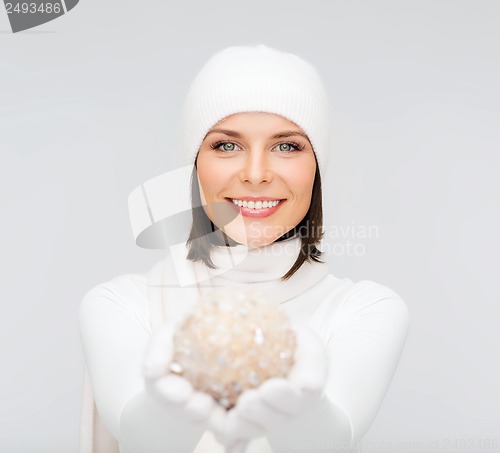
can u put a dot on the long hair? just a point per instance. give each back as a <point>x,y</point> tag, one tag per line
<point>204,234</point>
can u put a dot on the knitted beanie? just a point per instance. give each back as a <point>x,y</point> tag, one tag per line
<point>256,78</point>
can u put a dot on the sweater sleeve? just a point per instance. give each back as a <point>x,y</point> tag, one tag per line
<point>366,336</point>
<point>115,333</point>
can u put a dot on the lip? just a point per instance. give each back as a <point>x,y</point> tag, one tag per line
<point>255,199</point>
<point>256,214</point>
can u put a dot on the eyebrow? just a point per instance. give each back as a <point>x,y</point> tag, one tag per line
<point>238,135</point>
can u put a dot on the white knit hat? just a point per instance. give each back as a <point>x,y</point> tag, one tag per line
<point>257,78</point>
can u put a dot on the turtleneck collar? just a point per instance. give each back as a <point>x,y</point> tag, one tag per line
<point>261,269</point>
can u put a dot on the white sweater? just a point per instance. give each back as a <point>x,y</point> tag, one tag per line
<point>364,326</point>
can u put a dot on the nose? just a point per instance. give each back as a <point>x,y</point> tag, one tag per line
<point>256,168</point>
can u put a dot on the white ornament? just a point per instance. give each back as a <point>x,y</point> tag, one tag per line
<point>232,341</point>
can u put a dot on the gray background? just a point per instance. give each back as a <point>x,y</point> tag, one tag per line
<point>89,109</point>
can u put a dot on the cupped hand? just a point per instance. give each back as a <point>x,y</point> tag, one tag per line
<point>277,401</point>
<point>173,390</point>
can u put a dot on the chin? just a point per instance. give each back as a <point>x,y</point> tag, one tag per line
<point>259,242</point>
<point>252,242</point>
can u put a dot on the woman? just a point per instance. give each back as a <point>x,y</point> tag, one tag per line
<point>256,132</point>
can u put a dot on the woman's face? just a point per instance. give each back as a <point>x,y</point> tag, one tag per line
<point>256,158</point>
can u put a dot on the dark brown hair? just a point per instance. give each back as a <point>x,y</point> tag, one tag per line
<point>204,234</point>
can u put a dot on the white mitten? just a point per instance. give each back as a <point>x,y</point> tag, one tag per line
<point>232,431</point>
<point>278,400</point>
<point>173,390</point>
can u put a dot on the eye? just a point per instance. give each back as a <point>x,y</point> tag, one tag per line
<point>289,147</point>
<point>228,146</point>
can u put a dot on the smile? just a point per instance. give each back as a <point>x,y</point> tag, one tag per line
<point>255,205</point>
<point>256,209</point>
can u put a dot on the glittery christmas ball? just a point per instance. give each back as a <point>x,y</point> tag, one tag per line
<point>233,340</point>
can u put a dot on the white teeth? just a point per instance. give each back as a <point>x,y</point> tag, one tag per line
<point>255,205</point>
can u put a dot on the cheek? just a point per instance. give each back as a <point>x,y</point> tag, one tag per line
<point>210,175</point>
<point>301,180</point>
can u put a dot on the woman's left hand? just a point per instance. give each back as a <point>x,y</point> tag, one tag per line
<point>278,400</point>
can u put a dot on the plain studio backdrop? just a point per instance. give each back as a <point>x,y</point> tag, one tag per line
<point>90,109</point>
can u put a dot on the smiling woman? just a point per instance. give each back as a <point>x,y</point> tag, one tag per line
<point>256,129</point>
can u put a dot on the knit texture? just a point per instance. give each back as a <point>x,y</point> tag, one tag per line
<point>257,79</point>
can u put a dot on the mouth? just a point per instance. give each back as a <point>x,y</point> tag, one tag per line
<point>256,208</point>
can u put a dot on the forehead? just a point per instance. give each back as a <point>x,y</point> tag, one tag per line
<point>257,123</point>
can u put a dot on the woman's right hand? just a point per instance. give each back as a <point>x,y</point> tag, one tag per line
<point>173,390</point>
